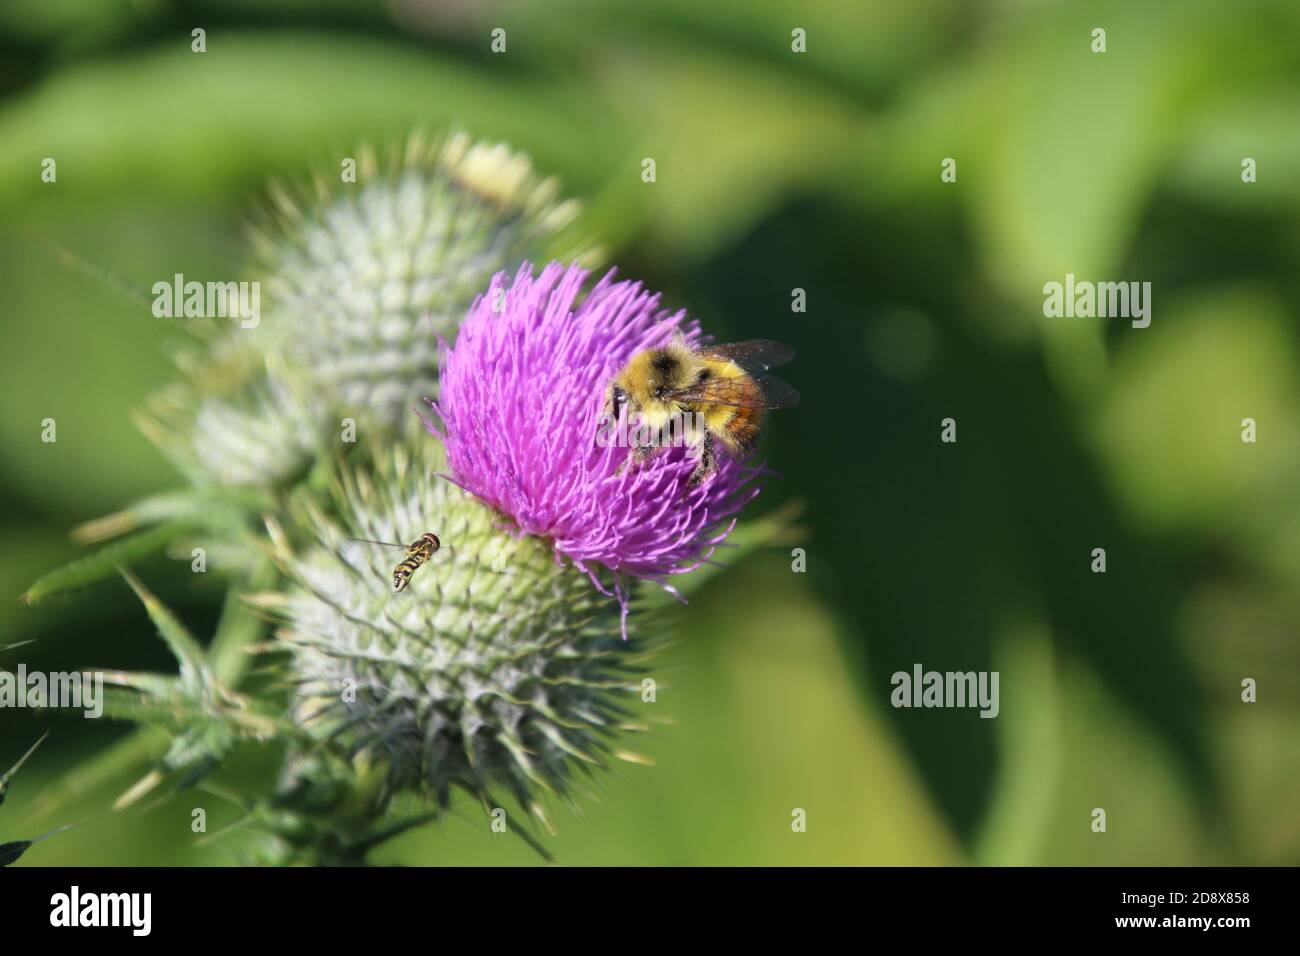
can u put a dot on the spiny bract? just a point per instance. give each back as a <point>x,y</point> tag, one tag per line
<point>498,666</point>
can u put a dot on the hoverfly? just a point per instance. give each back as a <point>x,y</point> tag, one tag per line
<point>417,553</point>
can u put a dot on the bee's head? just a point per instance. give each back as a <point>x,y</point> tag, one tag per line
<point>645,383</point>
<point>660,371</point>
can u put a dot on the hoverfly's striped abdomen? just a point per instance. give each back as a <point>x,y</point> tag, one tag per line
<point>417,552</point>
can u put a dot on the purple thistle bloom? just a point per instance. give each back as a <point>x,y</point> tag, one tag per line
<point>521,401</point>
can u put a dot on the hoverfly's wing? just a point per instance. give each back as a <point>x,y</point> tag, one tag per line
<point>755,355</point>
<point>758,391</point>
<point>386,544</point>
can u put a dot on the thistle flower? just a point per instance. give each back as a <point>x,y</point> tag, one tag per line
<point>495,667</point>
<point>521,400</point>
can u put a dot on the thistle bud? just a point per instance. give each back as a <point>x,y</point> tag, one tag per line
<point>496,668</point>
<point>359,281</point>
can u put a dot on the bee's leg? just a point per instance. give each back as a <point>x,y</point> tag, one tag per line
<point>708,462</point>
<point>638,455</point>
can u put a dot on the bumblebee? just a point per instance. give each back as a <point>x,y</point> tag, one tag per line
<point>720,393</point>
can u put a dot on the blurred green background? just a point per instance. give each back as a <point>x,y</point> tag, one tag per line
<point>776,171</point>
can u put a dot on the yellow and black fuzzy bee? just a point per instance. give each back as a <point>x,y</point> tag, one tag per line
<point>725,388</point>
<point>417,553</point>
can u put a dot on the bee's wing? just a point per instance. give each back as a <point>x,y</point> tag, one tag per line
<point>754,355</point>
<point>758,391</point>
<point>776,393</point>
<point>386,544</point>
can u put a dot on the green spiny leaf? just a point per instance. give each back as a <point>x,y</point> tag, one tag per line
<point>239,626</point>
<point>202,506</point>
<point>10,852</point>
<point>188,651</point>
<point>104,563</point>
<point>8,775</point>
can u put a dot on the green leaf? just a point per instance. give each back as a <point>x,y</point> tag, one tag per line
<point>203,506</point>
<point>4,780</point>
<point>169,714</point>
<point>239,626</point>
<point>105,562</point>
<point>10,852</point>
<point>188,651</point>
